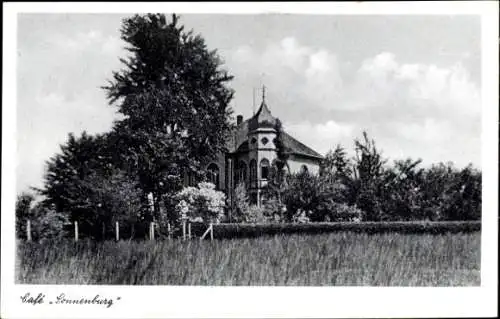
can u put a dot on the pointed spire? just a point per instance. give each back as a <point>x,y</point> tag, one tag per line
<point>263,117</point>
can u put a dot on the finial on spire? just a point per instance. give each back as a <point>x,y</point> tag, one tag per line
<point>263,93</point>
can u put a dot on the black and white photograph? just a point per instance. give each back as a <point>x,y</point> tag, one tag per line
<point>175,149</point>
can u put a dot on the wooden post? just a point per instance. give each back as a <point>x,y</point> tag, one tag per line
<point>152,231</point>
<point>184,229</point>
<point>76,231</point>
<point>28,230</point>
<point>168,230</point>
<point>117,231</point>
<point>189,230</point>
<point>211,231</point>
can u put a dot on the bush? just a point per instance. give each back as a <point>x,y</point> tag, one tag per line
<point>256,214</point>
<point>48,224</point>
<point>339,212</point>
<point>202,203</point>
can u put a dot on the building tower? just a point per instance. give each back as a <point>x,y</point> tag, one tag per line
<point>261,149</point>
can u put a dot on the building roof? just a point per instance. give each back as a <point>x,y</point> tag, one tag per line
<point>263,118</point>
<point>238,142</point>
<point>298,148</point>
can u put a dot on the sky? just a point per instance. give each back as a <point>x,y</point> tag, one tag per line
<point>413,83</point>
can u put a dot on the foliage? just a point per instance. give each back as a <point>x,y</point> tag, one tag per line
<point>342,212</point>
<point>368,188</point>
<point>202,202</point>
<point>368,169</point>
<point>454,194</point>
<point>110,199</point>
<point>256,214</point>
<point>174,98</point>
<point>45,223</point>
<point>235,230</point>
<point>173,95</point>
<point>84,183</point>
<point>48,224</point>
<point>300,216</point>
<point>24,202</point>
<point>336,166</point>
<point>247,213</point>
<point>313,194</point>
<point>241,203</point>
<point>79,157</point>
<point>277,181</point>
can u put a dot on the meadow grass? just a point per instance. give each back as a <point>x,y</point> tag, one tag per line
<point>336,259</point>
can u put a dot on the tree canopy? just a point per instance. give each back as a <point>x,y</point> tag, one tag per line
<point>174,96</point>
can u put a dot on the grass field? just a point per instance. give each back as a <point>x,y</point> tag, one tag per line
<point>338,259</point>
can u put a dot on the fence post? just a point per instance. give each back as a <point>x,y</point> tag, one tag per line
<point>189,230</point>
<point>151,231</point>
<point>117,231</point>
<point>76,230</point>
<point>28,230</point>
<point>211,231</point>
<point>168,230</point>
<point>184,229</point>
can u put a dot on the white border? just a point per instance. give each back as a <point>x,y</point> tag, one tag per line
<point>182,302</point>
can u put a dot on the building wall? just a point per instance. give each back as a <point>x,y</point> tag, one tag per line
<point>295,163</point>
<point>221,163</point>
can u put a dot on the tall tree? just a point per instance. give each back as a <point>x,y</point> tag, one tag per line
<point>277,179</point>
<point>336,165</point>
<point>367,178</point>
<point>79,157</point>
<point>174,96</point>
<point>86,184</point>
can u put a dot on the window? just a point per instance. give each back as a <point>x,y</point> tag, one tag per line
<point>264,169</point>
<point>213,174</point>
<point>304,169</point>
<point>253,171</point>
<point>241,173</point>
<point>264,140</point>
<point>253,140</point>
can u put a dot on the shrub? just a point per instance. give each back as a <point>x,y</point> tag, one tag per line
<point>300,217</point>
<point>201,203</point>
<point>241,203</point>
<point>256,214</point>
<point>24,202</point>
<point>256,230</point>
<point>48,223</point>
<point>340,212</point>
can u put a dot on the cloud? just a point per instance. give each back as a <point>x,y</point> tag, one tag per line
<point>411,109</point>
<point>92,40</point>
<point>296,75</point>
<point>59,74</point>
<point>45,125</point>
<point>428,87</point>
<point>321,136</point>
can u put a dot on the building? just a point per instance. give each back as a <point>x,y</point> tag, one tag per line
<point>251,153</point>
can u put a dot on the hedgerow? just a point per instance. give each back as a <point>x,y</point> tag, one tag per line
<point>256,230</point>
